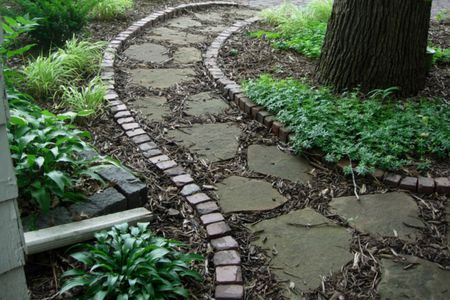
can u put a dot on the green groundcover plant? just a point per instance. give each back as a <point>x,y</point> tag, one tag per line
<point>131,263</point>
<point>299,29</point>
<point>375,132</point>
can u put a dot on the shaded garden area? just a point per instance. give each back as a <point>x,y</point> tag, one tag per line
<point>255,153</point>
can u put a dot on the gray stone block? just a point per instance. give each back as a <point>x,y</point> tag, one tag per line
<point>57,216</point>
<point>107,202</point>
<point>129,185</point>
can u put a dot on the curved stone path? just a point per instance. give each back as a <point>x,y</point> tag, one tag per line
<point>165,84</point>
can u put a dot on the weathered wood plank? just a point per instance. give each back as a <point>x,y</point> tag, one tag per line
<point>68,234</point>
<point>13,285</point>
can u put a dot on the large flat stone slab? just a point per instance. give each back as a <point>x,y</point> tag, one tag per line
<point>214,142</point>
<point>205,103</point>
<point>160,78</point>
<point>213,17</point>
<point>148,52</point>
<point>213,29</point>
<point>187,55</point>
<point>270,160</point>
<point>382,215</point>
<point>425,280</point>
<point>152,108</point>
<point>177,37</point>
<point>304,245</point>
<point>183,22</point>
<point>237,194</point>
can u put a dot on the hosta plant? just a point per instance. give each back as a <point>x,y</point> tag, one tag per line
<point>131,263</point>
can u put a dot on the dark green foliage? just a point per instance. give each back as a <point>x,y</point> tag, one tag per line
<point>58,19</point>
<point>441,55</point>
<point>44,149</point>
<point>373,132</point>
<point>132,263</point>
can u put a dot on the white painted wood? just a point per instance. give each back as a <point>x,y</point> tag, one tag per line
<point>68,234</point>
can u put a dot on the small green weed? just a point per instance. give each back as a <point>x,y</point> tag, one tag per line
<point>107,10</point>
<point>441,55</point>
<point>132,263</point>
<point>88,100</point>
<point>376,132</point>
<point>443,15</point>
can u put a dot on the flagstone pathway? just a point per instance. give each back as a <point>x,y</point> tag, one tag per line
<point>303,245</point>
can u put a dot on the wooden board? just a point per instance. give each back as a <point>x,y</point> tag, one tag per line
<point>72,233</point>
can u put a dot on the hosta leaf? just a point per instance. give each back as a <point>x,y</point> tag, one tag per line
<point>18,121</point>
<point>83,257</point>
<point>59,178</point>
<point>74,282</point>
<point>100,295</point>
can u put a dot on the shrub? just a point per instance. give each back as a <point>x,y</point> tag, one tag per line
<point>131,263</point>
<point>88,100</point>
<point>44,149</point>
<point>111,9</point>
<point>58,19</point>
<point>375,132</point>
<point>299,29</point>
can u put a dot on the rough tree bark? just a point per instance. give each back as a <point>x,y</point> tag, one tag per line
<point>376,44</point>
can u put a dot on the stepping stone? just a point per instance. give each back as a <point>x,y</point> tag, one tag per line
<point>183,22</point>
<point>237,194</point>
<point>148,52</point>
<point>270,160</point>
<point>205,103</point>
<point>213,17</point>
<point>187,55</point>
<point>380,214</point>
<point>152,108</point>
<point>425,280</point>
<point>176,37</point>
<point>213,29</point>
<point>160,78</point>
<point>215,142</point>
<point>303,245</point>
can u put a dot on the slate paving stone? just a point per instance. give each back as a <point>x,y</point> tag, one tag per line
<point>206,103</point>
<point>183,22</point>
<point>187,55</point>
<point>381,215</point>
<point>423,280</point>
<point>214,29</point>
<point>212,17</point>
<point>270,160</point>
<point>176,37</point>
<point>214,142</point>
<point>238,194</point>
<point>148,52</point>
<point>303,245</point>
<point>151,108</point>
<point>160,78</point>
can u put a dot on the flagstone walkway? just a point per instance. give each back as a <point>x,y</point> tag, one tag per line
<point>303,245</point>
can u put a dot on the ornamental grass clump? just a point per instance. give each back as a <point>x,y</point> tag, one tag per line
<point>377,132</point>
<point>106,10</point>
<point>132,263</point>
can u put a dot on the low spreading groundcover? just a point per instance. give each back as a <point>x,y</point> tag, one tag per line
<point>377,132</point>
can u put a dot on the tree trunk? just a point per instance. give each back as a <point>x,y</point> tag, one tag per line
<point>376,44</point>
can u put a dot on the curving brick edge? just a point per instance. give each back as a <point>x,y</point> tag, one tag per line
<point>227,259</point>
<point>232,91</point>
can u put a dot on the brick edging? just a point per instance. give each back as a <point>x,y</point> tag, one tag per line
<point>227,259</point>
<point>232,91</point>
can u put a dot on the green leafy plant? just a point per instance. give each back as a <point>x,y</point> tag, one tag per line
<point>44,148</point>
<point>45,77</point>
<point>111,9</point>
<point>58,19</point>
<point>131,263</point>
<point>374,132</point>
<point>443,15</point>
<point>88,100</point>
<point>299,29</point>
<point>441,55</point>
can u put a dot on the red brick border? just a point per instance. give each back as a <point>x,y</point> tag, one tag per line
<point>228,274</point>
<point>232,91</point>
